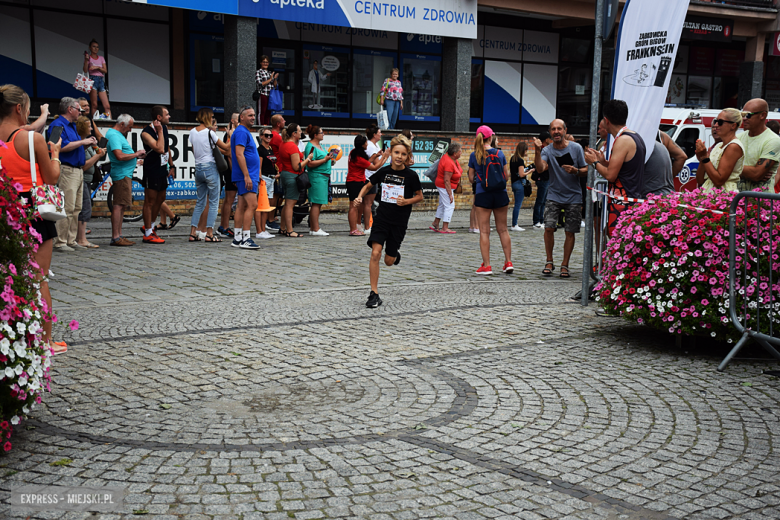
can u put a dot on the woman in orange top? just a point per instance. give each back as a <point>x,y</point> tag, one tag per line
<point>14,111</point>
<point>447,180</point>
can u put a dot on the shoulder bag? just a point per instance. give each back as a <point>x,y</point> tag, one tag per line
<point>219,159</point>
<point>275,99</point>
<point>47,201</point>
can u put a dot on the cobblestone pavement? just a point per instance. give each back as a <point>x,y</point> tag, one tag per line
<point>219,383</point>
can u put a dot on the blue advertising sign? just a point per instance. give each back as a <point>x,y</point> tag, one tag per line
<point>456,18</point>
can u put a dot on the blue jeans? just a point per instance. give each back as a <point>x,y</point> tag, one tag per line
<point>518,188</point>
<point>541,198</point>
<point>206,184</point>
<point>393,110</point>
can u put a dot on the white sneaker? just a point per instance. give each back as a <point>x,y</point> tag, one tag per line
<point>264,235</point>
<point>517,228</point>
<point>319,233</point>
<point>367,231</point>
<point>474,230</point>
<point>538,225</point>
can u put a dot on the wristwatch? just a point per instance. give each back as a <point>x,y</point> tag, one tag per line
<point>705,160</point>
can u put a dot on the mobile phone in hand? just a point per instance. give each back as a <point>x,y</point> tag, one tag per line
<point>103,142</point>
<point>55,134</point>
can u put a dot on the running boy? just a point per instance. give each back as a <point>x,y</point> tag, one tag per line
<point>400,189</point>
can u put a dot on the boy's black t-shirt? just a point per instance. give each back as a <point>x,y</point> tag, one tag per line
<point>408,178</point>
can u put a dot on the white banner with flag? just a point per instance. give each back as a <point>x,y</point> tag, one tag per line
<point>646,46</point>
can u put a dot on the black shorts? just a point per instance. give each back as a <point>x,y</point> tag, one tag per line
<point>389,235</point>
<point>227,180</point>
<point>353,189</point>
<point>157,181</point>
<point>491,199</point>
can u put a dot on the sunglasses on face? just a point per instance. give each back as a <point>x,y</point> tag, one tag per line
<point>748,115</point>
<point>268,135</point>
<point>720,122</point>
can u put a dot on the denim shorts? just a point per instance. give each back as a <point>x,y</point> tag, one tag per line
<point>269,186</point>
<point>99,83</point>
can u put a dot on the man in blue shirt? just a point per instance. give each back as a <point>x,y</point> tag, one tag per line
<point>71,175</point>
<point>245,161</point>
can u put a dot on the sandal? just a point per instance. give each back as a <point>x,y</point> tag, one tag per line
<point>548,271</point>
<point>565,274</point>
<point>162,226</point>
<point>194,238</point>
<point>290,234</point>
<point>175,220</point>
<point>212,238</point>
<point>356,233</point>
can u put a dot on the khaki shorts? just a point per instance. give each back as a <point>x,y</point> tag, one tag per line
<point>123,192</point>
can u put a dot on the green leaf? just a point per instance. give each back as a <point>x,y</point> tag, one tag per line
<point>165,406</point>
<point>421,426</point>
<point>140,511</point>
<point>747,384</point>
<point>514,425</point>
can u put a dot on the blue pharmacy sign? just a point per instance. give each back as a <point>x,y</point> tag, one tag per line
<point>456,18</point>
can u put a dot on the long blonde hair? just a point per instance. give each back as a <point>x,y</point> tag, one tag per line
<point>205,117</point>
<point>10,96</point>
<point>479,149</point>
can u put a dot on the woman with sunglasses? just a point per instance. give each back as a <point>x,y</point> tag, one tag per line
<point>269,173</point>
<point>722,167</point>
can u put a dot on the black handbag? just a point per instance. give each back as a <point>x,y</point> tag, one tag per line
<point>302,181</point>
<point>219,159</point>
<point>527,189</point>
<point>255,95</point>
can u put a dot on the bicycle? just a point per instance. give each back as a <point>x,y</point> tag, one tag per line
<point>132,214</point>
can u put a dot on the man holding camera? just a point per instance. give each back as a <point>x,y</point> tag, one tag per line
<point>71,175</point>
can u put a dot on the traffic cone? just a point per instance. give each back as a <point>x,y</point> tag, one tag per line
<point>262,199</point>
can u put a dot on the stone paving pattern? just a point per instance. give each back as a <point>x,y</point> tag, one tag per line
<point>460,397</point>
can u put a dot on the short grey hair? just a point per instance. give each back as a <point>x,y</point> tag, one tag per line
<point>82,99</point>
<point>453,149</point>
<point>124,119</point>
<point>66,103</point>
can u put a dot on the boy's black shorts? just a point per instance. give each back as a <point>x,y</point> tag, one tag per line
<point>389,235</point>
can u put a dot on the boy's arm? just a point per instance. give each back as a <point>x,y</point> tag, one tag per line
<point>418,197</point>
<point>359,199</point>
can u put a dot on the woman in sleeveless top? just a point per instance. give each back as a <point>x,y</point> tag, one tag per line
<point>14,111</point>
<point>722,167</point>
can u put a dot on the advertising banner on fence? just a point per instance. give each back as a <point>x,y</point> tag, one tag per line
<point>646,46</point>
<point>456,18</point>
<point>183,186</point>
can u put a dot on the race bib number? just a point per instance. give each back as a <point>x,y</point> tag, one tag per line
<point>391,192</point>
<point>164,158</point>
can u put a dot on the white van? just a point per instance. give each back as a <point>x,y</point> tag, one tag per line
<point>685,126</point>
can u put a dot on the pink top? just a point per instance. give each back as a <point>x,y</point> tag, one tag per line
<point>99,62</point>
<point>393,90</point>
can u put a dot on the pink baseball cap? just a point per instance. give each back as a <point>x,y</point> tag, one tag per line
<point>486,131</point>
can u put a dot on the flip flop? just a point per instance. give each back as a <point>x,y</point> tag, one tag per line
<point>90,245</point>
<point>448,232</point>
<point>435,229</point>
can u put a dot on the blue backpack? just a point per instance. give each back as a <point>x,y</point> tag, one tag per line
<point>493,177</point>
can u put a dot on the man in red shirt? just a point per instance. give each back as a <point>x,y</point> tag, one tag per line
<point>277,125</point>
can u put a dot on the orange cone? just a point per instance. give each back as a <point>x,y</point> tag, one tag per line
<point>262,199</point>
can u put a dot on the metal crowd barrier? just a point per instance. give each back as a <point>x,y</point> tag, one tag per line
<point>601,185</point>
<point>752,317</point>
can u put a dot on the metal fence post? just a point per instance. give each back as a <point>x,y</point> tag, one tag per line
<point>587,253</point>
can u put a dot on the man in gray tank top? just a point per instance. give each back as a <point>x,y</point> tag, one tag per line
<point>659,179</point>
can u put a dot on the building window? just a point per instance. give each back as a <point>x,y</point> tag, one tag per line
<point>369,71</point>
<point>283,62</point>
<point>326,86</point>
<point>477,71</point>
<point>208,77</point>
<point>421,78</point>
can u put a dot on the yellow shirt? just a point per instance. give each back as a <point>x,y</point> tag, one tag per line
<point>715,155</point>
<point>766,145</point>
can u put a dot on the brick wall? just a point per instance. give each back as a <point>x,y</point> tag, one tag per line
<point>507,143</point>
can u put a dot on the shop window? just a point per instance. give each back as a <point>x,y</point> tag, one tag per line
<point>574,50</point>
<point>139,70</point>
<point>369,71</point>
<point>421,78</point>
<point>477,84</point>
<point>574,91</point>
<point>326,85</point>
<point>207,73</point>
<point>283,62</point>
<point>699,90</point>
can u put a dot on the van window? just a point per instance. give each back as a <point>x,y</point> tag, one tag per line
<point>687,141</point>
<point>668,129</point>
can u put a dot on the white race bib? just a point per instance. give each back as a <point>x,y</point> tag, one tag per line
<point>164,158</point>
<point>391,192</point>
